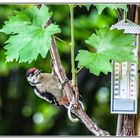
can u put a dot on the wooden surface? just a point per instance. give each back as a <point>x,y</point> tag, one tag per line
<point>137,120</point>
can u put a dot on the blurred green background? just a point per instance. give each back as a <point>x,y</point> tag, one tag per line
<point>22,112</point>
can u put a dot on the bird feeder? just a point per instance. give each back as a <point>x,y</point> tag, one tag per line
<point>124,78</point>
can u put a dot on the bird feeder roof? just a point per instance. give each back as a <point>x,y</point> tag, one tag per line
<point>128,27</point>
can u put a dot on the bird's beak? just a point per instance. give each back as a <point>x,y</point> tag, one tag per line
<point>39,71</point>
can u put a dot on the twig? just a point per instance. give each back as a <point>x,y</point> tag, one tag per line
<point>73,71</point>
<point>79,70</point>
<point>78,111</point>
<point>61,40</point>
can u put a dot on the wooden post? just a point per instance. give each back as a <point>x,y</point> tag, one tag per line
<point>137,120</point>
<point>126,122</point>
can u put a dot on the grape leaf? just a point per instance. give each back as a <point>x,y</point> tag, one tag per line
<point>94,62</point>
<point>109,45</point>
<point>101,7</point>
<point>28,36</point>
<point>16,23</point>
<point>85,5</point>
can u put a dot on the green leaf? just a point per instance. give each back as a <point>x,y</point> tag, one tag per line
<point>16,24</point>
<point>28,37</point>
<point>40,16</point>
<point>109,45</point>
<point>101,7</point>
<point>93,61</point>
<point>85,5</point>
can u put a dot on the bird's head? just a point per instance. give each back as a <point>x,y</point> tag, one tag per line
<point>32,75</point>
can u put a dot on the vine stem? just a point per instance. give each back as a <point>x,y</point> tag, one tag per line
<point>73,71</point>
<point>79,112</point>
<point>61,40</point>
<point>125,16</point>
<point>79,70</point>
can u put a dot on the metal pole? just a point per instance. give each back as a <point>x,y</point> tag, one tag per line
<point>119,125</point>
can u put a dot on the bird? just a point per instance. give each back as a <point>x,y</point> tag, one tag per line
<point>47,86</point>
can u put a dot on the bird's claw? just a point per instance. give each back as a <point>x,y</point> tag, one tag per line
<point>64,82</point>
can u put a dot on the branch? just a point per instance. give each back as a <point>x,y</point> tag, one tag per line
<point>76,109</point>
